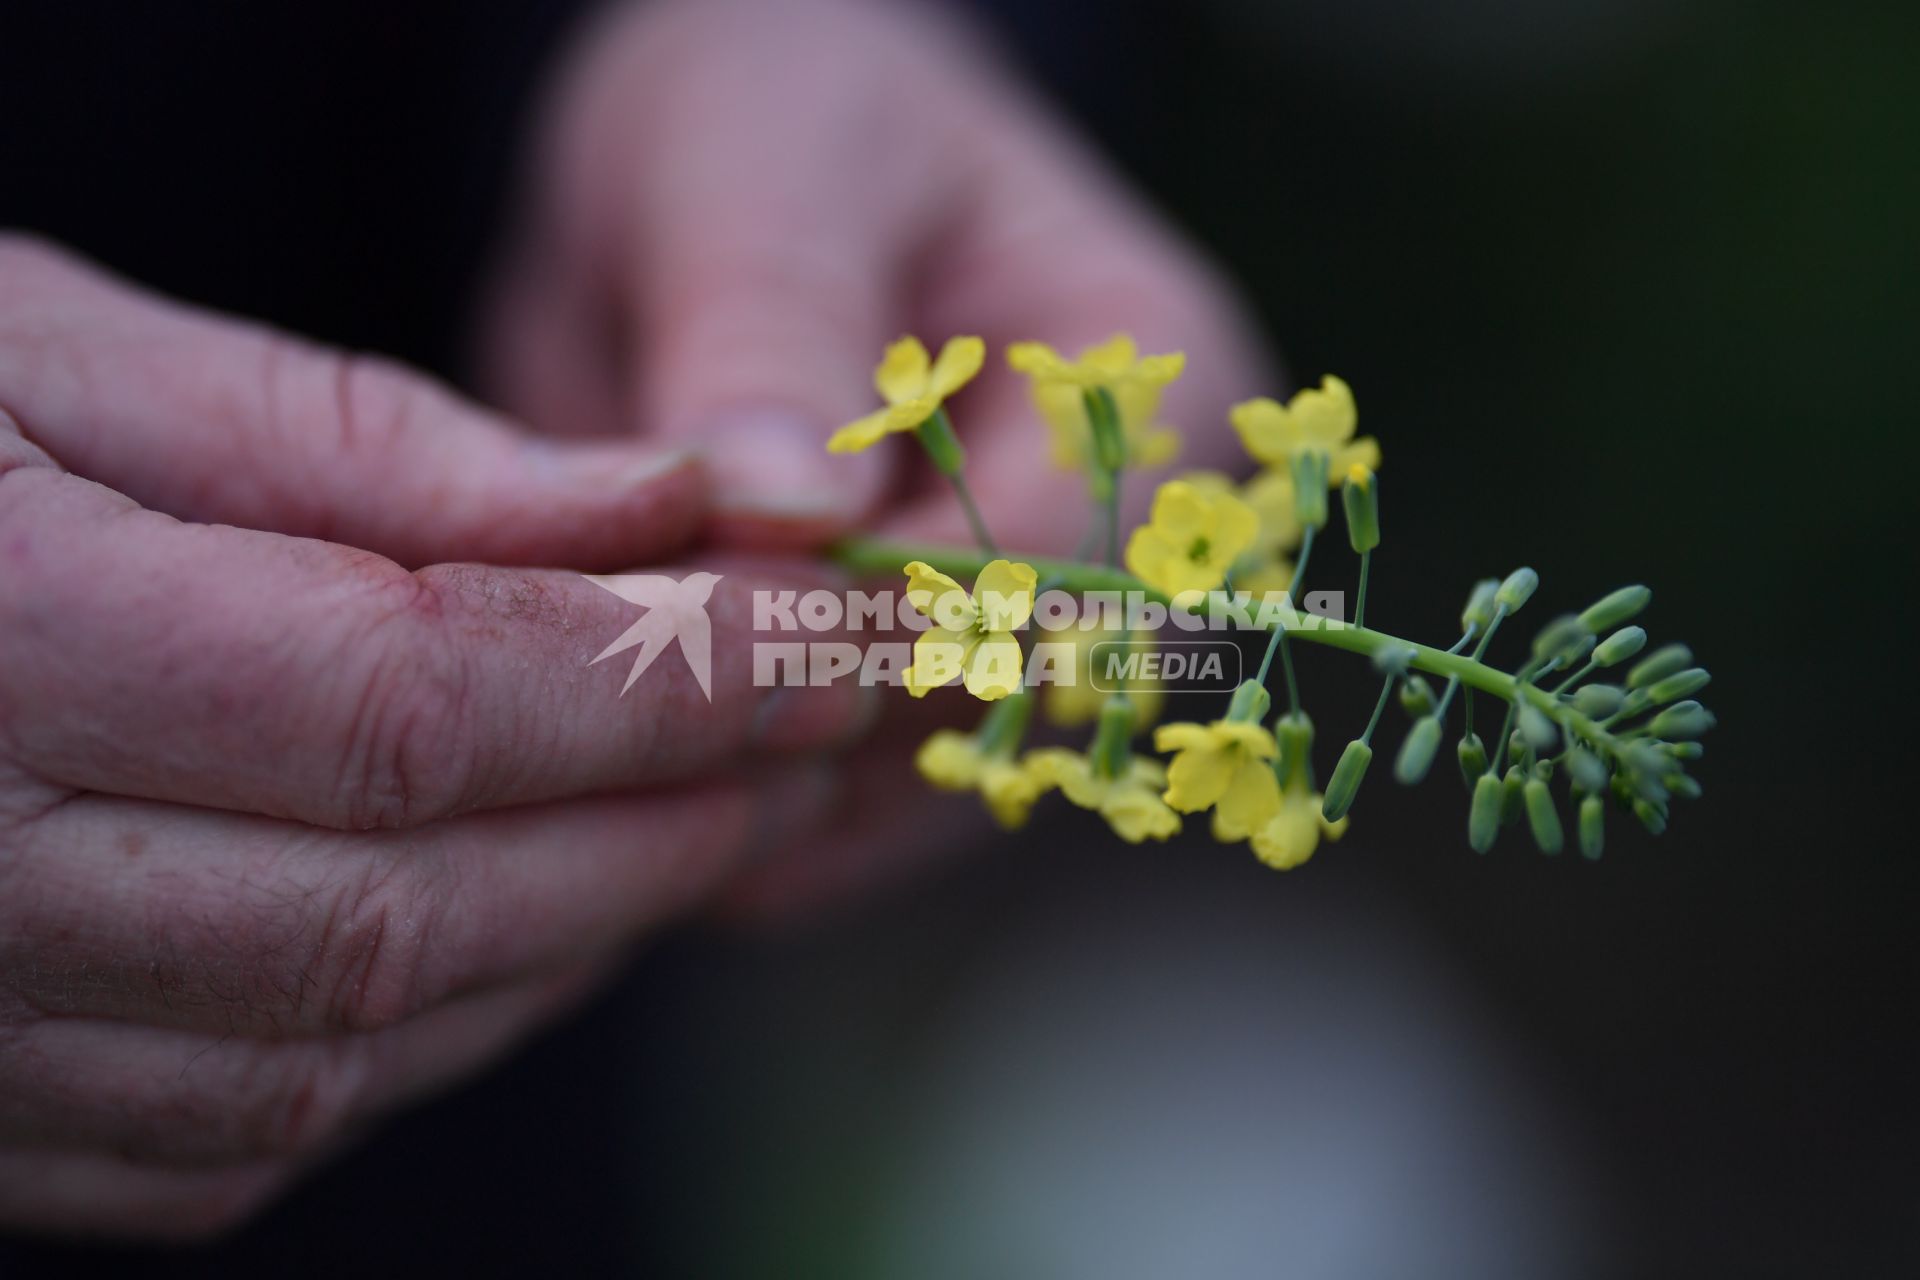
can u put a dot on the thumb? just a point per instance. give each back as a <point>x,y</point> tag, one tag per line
<point>217,421</point>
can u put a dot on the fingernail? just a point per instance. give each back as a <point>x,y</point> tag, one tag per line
<point>771,464</point>
<point>804,716</point>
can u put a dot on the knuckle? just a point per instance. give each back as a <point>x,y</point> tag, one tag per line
<point>26,251</point>
<point>372,944</point>
<point>402,759</point>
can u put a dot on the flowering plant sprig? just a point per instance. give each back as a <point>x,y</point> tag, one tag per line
<point>1212,541</point>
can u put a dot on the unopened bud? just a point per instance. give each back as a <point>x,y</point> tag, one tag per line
<point>1615,608</point>
<point>1250,702</point>
<point>1680,684</point>
<point>1543,817</point>
<point>1416,696</point>
<point>1394,659</point>
<point>1593,827</point>
<point>1473,757</point>
<point>1361,497</point>
<point>1346,780</point>
<point>1478,615</point>
<point>1513,796</point>
<point>1598,701</point>
<point>1416,753</point>
<point>1565,638</point>
<point>1483,819</point>
<point>1586,770</point>
<point>1659,664</point>
<point>1652,815</point>
<point>1517,589</point>
<point>1682,720</point>
<point>1620,646</point>
<point>1537,729</point>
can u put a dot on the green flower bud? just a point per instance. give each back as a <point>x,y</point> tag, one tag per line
<point>1565,638</point>
<point>1683,785</point>
<point>1309,472</point>
<point>1678,685</point>
<point>1517,589</point>
<point>1659,664</point>
<point>1478,615</point>
<point>1346,780</point>
<point>1513,796</point>
<point>1416,696</point>
<point>1361,497</point>
<point>1416,753</point>
<point>1294,733</point>
<point>1598,701</point>
<point>1615,608</point>
<point>1543,817</point>
<point>1586,770</point>
<point>1593,827</point>
<point>1620,646</point>
<point>1483,819</point>
<point>1652,815</point>
<point>1394,660</point>
<point>1646,766</point>
<point>1250,702</point>
<point>1537,729</point>
<point>1685,750</point>
<point>1473,758</point>
<point>1682,720</point>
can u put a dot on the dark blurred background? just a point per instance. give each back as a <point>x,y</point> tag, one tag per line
<point>1627,289</point>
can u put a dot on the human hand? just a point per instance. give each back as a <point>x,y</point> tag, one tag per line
<point>738,202</point>
<point>293,829</point>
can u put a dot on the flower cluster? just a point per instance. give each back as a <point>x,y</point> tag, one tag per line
<point>1208,533</point>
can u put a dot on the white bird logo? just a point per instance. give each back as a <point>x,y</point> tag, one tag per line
<point>675,610</point>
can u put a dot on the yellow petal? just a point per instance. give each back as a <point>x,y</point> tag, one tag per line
<point>1235,525</point>
<point>1035,358</point>
<point>1244,735</point>
<point>1325,415</point>
<point>1154,560</point>
<point>992,666</point>
<point>902,374</point>
<point>1198,777</point>
<point>960,359</point>
<point>1364,452</point>
<point>1156,448</point>
<point>1003,594</point>
<point>1289,839</point>
<point>1113,357</point>
<point>939,597</point>
<point>1264,430</point>
<point>863,433</point>
<point>1009,790</point>
<point>1180,511</point>
<point>1181,735</point>
<point>1251,799</point>
<point>1135,813</point>
<point>939,655</point>
<point>1158,371</point>
<point>950,760</point>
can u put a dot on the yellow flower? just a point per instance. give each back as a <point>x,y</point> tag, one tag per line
<point>1290,836</point>
<point>1192,539</point>
<point>1070,705</point>
<point>1266,566</point>
<point>1131,803</point>
<point>971,636</point>
<point>1319,418</point>
<point>913,388</point>
<point>1226,766</point>
<point>954,761</point>
<point>1134,381</point>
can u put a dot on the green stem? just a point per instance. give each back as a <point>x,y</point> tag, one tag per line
<point>974,518</point>
<point>1360,607</point>
<point>1374,721</point>
<point>1293,595</point>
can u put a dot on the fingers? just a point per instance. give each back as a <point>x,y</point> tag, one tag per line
<point>231,925</point>
<point>96,1194</point>
<point>185,1100</point>
<point>297,679</point>
<point>760,262</point>
<point>217,421</point>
